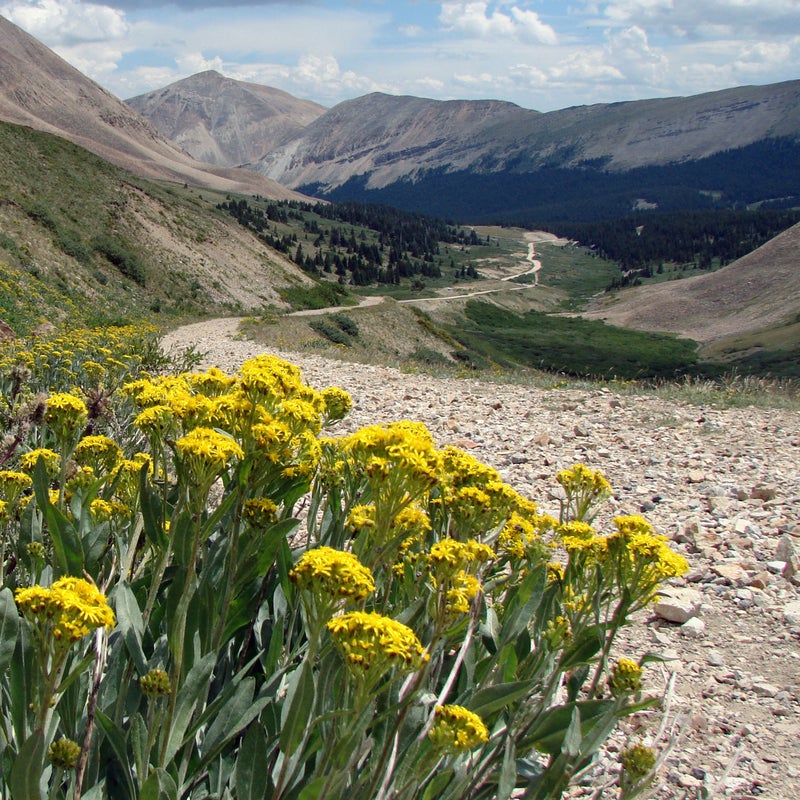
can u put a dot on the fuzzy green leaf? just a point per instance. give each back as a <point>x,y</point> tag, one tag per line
<point>251,777</point>
<point>297,710</point>
<point>131,624</point>
<point>27,770</point>
<point>9,627</point>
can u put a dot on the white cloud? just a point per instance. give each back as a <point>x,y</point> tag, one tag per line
<point>532,28</point>
<point>712,18</point>
<point>67,22</point>
<point>475,19</point>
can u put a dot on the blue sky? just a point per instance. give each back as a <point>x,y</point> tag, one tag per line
<point>540,54</point>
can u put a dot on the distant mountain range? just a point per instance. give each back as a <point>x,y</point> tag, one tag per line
<point>491,160</point>
<point>41,90</point>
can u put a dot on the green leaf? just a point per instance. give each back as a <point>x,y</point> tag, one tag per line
<point>438,784</point>
<point>182,533</point>
<point>138,740</point>
<point>26,773</point>
<point>131,624</point>
<point>66,542</point>
<point>159,786</point>
<point>116,739</point>
<point>296,711</point>
<point>94,543</point>
<point>250,775</point>
<point>582,649</point>
<point>151,506</point>
<point>493,698</point>
<point>192,693</point>
<point>313,790</point>
<point>523,604</point>
<point>234,716</point>
<point>572,738</point>
<point>508,772</point>
<point>9,627</point>
<point>549,734</point>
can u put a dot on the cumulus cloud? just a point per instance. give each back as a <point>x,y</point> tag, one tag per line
<point>476,19</point>
<point>67,22</point>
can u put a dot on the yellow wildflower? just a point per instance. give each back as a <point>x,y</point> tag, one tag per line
<point>52,460</point>
<point>155,683</point>
<point>371,643</point>
<point>337,574</point>
<point>98,452</point>
<point>625,677</point>
<point>456,729</point>
<point>208,449</point>
<point>261,512</point>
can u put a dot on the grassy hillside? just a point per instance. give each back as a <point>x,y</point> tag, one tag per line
<point>84,241</point>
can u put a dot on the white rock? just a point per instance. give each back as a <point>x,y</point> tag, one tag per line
<point>678,604</point>
<point>693,628</point>
<point>791,613</point>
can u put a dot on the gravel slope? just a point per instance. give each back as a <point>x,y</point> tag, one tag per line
<point>723,484</point>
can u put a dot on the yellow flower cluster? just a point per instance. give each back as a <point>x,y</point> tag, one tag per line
<point>12,485</point>
<point>637,762</point>
<point>80,356</point>
<point>448,556</point>
<point>64,754</point>
<point>155,683</point>
<point>580,479</point>
<point>372,643</point>
<point>52,460</point>
<point>267,409</point>
<point>260,512</point>
<point>336,574</point>
<point>521,536</point>
<point>456,729</point>
<point>625,677</point>
<point>208,450</point>
<point>584,488</point>
<point>473,497</point>
<point>464,588</point>
<point>67,610</point>
<point>100,453</point>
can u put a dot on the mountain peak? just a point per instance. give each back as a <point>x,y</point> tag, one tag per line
<point>41,90</point>
<point>225,121</point>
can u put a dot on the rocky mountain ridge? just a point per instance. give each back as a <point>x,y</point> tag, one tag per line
<point>386,137</point>
<point>41,90</point>
<point>223,121</point>
<point>490,160</point>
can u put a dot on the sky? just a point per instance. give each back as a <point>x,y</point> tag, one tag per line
<point>540,54</point>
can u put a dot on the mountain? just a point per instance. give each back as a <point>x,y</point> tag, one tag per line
<point>752,302</point>
<point>388,137</point>
<point>490,160</point>
<point>224,121</point>
<point>39,89</point>
<point>82,241</point>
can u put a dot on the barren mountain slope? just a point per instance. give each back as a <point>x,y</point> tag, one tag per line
<point>389,138</point>
<point>757,292</point>
<point>41,90</point>
<point>223,121</point>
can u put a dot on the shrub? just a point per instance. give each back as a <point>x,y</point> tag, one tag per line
<point>119,254</point>
<point>346,323</point>
<point>429,634</point>
<point>331,332</point>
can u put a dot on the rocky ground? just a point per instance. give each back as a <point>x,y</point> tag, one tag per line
<point>723,484</point>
